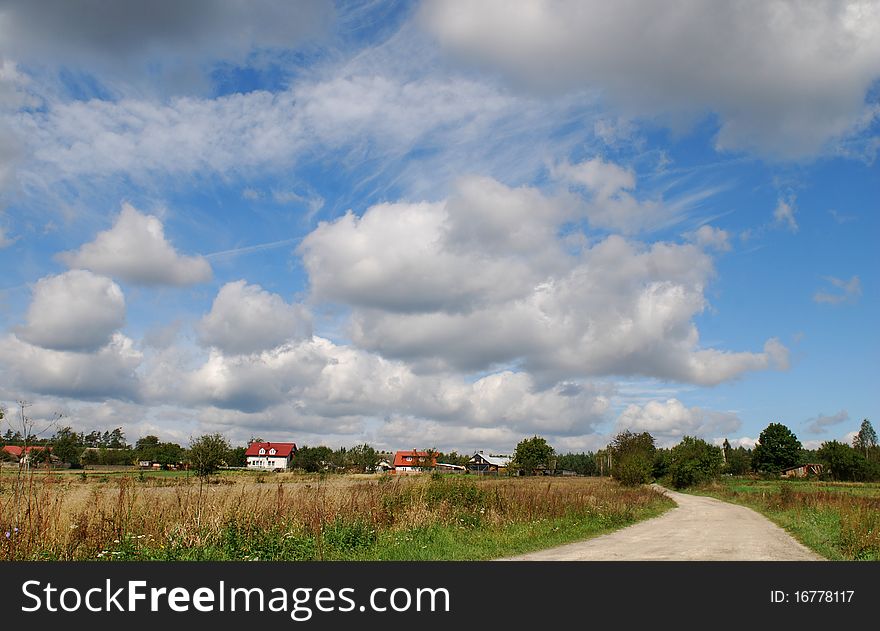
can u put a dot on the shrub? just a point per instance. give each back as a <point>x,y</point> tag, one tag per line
<point>694,461</point>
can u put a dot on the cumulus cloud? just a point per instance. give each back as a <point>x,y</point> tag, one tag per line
<point>77,310</point>
<point>703,58</point>
<point>819,424</point>
<point>135,250</point>
<point>108,372</point>
<point>247,319</point>
<point>669,420</point>
<point>487,243</point>
<point>318,382</point>
<point>843,291</point>
<point>617,307</point>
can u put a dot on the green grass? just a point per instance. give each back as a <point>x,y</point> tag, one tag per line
<point>839,521</point>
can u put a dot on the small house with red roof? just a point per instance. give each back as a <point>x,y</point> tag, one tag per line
<point>270,456</point>
<point>17,452</point>
<point>413,461</point>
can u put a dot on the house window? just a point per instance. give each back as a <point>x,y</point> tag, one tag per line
<point>408,458</point>
<point>272,452</point>
<point>262,451</point>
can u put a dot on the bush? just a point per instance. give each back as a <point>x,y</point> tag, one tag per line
<point>694,461</point>
<point>632,457</point>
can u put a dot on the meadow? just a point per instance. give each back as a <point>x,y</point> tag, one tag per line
<point>838,520</point>
<point>287,516</point>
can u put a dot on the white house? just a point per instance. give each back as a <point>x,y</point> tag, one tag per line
<point>270,456</point>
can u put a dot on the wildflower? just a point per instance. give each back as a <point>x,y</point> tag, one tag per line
<point>8,534</point>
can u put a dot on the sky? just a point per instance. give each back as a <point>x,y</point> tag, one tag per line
<point>440,224</point>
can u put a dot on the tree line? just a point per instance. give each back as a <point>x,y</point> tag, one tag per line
<point>633,458</point>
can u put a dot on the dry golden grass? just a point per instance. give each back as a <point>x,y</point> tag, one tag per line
<point>64,517</point>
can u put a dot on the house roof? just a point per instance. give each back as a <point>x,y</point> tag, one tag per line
<point>282,450</point>
<point>497,461</point>
<point>16,450</point>
<point>416,459</point>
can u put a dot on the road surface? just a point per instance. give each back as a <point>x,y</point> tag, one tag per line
<point>698,529</point>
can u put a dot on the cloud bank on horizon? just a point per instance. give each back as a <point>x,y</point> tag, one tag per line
<point>440,224</point>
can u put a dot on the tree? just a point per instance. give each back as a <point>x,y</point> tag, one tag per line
<point>739,461</point>
<point>843,462</point>
<point>777,449</point>
<point>632,457</point>
<point>362,458</point>
<point>312,459</point>
<point>68,446</point>
<point>207,453</point>
<point>866,439</point>
<point>694,461</point>
<point>580,463</point>
<point>532,454</point>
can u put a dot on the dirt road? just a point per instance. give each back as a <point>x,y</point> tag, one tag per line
<point>699,529</point>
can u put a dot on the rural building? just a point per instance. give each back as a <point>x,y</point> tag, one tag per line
<point>23,454</point>
<point>270,456</point>
<point>413,461</point>
<point>482,463</point>
<point>384,465</point>
<point>802,470</point>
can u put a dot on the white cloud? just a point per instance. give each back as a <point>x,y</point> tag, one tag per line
<point>108,372</point>
<point>135,250</point>
<point>707,236</point>
<point>316,384</point>
<point>77,310</point>
<point>783,215</point>
<point>819,424</point>
<point>844,291</point>
<point>669,420</point>
<point>482,280</point>
<point>247,319</point>
<point>755,64</point>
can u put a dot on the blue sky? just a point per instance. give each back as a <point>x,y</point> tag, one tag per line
<point>441,224</point>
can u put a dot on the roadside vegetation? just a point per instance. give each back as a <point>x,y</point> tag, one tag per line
<point>838,520</point>
<point>243,516</point>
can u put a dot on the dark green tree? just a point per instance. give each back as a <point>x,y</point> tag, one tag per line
<point>739,461</point>
<point>68,446</point>
<point>236,457</point>
<point>777,449</point>
<point>146,447</point>
<point>531,455</point>
<point>313,459</point>
<point>580,463</point>
<point>632,457</point>
<point>843,462</point>
<point>694,461</point>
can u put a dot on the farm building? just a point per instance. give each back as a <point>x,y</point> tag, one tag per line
<point>413,461</point>
<point>23,454</point>
<point>802,470</point>
<point>270,456</point>
<point>482,463</point>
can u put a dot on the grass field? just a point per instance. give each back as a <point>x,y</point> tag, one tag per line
<point>839,520</point>
<point>247,516</point>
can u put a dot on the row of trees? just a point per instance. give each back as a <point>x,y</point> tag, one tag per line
<point>634,458</point>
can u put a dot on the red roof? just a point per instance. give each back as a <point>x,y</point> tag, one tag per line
<point>15,450</point>
<point>416,459</point>
<point>283,450</point>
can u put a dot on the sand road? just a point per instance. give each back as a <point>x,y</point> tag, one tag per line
<point>698,529</point>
